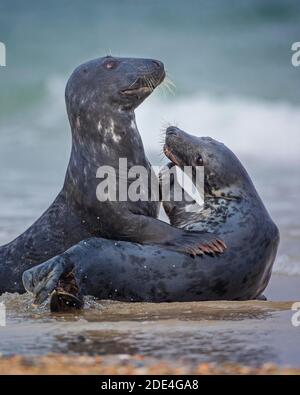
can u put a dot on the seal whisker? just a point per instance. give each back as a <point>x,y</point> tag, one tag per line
<point>151,84</point>
<point>162,88</point>
<point>168,79</point>
<point>165,84</point>
<point>134,82</point>
<point>169,88</point>
<point>154,83</point>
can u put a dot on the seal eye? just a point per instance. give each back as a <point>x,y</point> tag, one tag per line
<point>110,64</point>
<point>199,160</point>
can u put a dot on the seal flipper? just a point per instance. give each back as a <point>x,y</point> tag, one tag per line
<point>54,278</point>
<point>66,297</point>
<point>148,230</point>
<point>261,297</point>
<point>65,302</point>
<point>42,280</point>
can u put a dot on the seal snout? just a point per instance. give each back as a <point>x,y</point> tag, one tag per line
<point>155,66</point>
<point>172,131</point>
<point>158,64</point>
<point>172,141</point>
<point>155,70</point>
<point>148,75</point>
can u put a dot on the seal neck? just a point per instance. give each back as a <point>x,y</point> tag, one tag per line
<point>101,140</point>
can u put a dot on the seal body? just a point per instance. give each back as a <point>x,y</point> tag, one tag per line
<point>131,272</point>
<point>101,96</point>
<point>103,128</point>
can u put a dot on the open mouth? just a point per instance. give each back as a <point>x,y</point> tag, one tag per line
<point>171,155</point>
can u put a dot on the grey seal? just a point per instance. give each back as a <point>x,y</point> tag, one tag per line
<point>101,96</point>
<point>128,271</point>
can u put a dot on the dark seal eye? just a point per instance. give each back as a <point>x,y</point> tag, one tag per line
<point>110,64</point>
<point>199,160</point>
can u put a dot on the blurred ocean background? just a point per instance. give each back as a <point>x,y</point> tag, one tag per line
<point>230,61</point>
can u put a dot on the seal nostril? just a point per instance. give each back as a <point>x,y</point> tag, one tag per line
<point>156,63</point>
<point>171,131</point>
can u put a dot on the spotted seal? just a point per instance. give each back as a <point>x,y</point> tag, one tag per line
<point>127,271</point>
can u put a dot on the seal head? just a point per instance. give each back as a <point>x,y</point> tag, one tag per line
<point>119,83</point>
<point>225,176</point>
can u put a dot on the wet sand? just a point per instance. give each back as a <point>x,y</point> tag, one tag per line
<point>249,337</point>
<point>126,365</point>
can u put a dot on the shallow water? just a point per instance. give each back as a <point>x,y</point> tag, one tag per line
<point>244,332</point>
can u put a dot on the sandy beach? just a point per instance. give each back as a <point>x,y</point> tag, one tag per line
<point>251,337</point>
<point>126,365</point>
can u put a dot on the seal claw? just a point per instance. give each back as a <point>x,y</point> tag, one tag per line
<point>61,301</point>
<point>217,247</point>
<point>66,297</point>
<point>223,245</point>
<point>210,248</point>
<point>197,243</point>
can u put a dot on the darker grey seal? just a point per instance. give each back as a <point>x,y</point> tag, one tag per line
<point>101,96</point>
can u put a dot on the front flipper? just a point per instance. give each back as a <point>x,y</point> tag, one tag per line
<point>147,230</point>
<point>196,243</point>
